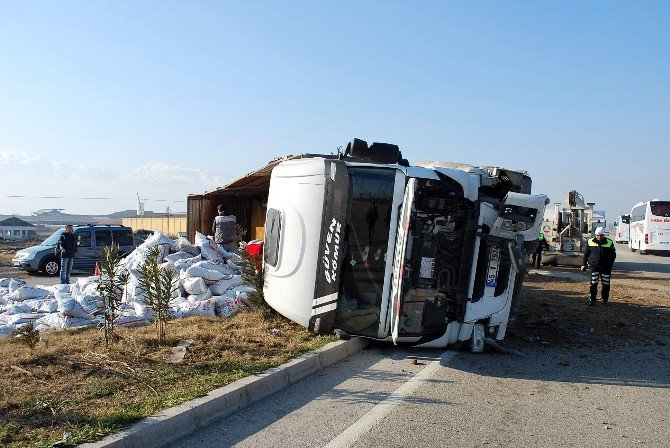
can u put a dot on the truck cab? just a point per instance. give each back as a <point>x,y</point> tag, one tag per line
<point>428,255</point>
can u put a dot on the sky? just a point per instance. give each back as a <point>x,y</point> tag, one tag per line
<point>102,101</point>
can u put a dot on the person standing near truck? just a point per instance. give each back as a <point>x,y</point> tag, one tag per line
<point>67,248</point>
<point>599,256</point>
<point>223,229</point>
<point>536,257</point>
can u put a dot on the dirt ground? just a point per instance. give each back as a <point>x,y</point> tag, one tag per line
<point>554,312</point>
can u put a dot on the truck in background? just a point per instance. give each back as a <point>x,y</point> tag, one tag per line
<point>428,255</point>
<point>568,230</point>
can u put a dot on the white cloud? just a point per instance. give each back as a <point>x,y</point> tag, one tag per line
<point>78,167</point>
<point>18,157</point>
<point>165,173</point>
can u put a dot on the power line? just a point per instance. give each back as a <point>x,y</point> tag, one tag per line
<point>17,196</point>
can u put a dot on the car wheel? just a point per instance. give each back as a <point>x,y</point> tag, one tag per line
<point>51,267</point>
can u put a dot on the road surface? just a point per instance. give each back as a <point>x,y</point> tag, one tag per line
<point>533,396</point>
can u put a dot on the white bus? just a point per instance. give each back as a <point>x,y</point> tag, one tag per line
<point>622,229</point>
<point>650,227</point>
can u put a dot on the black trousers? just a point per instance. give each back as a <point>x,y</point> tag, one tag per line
<point>604,277</point>
<point>536,259</point>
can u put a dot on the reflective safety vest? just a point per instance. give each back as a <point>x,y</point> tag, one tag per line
<point>594,243</point>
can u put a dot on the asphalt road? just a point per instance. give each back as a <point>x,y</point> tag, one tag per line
<point>547,396</point>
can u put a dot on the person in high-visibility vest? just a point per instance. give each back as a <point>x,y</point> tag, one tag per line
<point>536,257</point>
<point>599,256</point>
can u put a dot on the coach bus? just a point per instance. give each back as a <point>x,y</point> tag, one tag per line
<point>650,227</point>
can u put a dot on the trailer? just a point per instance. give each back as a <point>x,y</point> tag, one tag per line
<point>431,254</point>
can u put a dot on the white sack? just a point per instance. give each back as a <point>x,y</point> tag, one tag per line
<point>184,264</point>
<point>227,306</point>
<point>200,297</point>
<point>18,309</point>
<point>201,308</point>
<point>130,321</point>
<point>194,285</point>
<point>24,318</point>
<point>220,287</point>
<point>14,284</point>
<point>31,292</point>
<point>181,255</point>
<point>208,248</point>
<point>211,275</point>
<point>143,311</point>
<point>91,303</point>
<point>5,331</point>
<point>183,245</point>
<point>70,307</point>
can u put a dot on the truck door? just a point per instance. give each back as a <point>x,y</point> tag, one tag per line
<point>399,258</point>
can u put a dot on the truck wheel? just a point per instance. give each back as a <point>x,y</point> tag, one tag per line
<point>51,266</point>
<point>632,249</point>
<point>358,149</point>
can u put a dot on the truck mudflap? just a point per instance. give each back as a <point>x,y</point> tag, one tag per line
<point>331,248</point>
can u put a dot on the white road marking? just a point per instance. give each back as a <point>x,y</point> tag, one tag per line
<point>381,410</point>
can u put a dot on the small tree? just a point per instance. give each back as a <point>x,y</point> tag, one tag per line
<point>159,284</point>
<point>252,271</point>
<point>113,278</point>
<point>26,334</point>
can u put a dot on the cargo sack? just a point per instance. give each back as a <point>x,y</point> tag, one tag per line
<point>29,292</point>
<point>227,306</point>
<point>200,297</point>
<point>208,248</point>
<point>91,303</point>
<point>194,285</point>
<point>181,255</point>
<point>183,264</point>
<point>5,331</point>
<point>184,245</point>
<point>24,318</point>
<point>218,288</point>
<point>130,321</point>
<point>210,275</point>
<point>201,308</point>
<point>70,307</point>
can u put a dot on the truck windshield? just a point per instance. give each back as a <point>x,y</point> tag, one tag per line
<point>364,266</point>
<point>53,239</point>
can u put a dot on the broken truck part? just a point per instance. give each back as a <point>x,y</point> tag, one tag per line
<point>428,255</point>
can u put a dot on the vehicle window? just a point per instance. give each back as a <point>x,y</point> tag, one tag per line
<point>364,263</point>
<point>84,239</point>
<point>103,238</point>
<point>53,239</point>
<point>625,219</point>
<point>123,237</point>
<point>272,234</point>
<point>660,208</point>
<point>637,214</point>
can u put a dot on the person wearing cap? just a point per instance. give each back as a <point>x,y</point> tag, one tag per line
<point>224,227</point>
<point>67,248</point>
<point>599,256</point>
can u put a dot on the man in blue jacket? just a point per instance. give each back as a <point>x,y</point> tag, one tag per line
<point>599,256</point>
<point>67,248</point>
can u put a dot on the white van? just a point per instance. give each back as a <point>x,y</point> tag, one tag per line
<point>429,255</point>
<point>650,227</point>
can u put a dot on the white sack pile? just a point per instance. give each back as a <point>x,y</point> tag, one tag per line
<point>209,284</point>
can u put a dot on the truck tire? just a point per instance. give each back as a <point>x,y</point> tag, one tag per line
<point>358,149</point>
<point>51,266</point>
<point>384,153</point>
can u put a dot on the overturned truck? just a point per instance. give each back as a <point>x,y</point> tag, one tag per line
<point>430,255</point>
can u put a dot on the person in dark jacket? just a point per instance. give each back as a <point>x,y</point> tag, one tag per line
<point>67,248</point>
<point>599,256</point>
<point>223,228</point>
<point>536,258</point>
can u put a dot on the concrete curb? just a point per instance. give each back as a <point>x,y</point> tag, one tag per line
<point>179,421</point>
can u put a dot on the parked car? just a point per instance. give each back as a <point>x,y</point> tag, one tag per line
<point>90,239</point>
